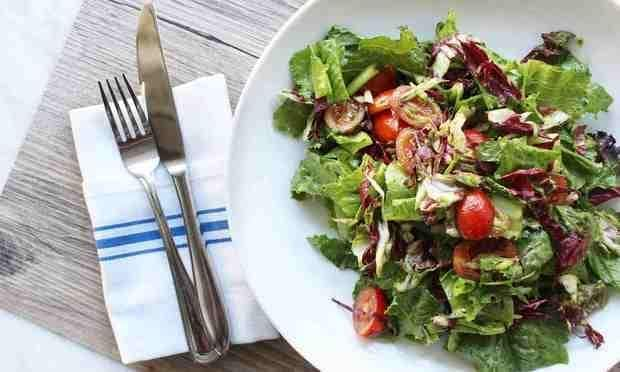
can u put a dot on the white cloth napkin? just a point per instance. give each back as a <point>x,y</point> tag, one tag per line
<point>137,284</point>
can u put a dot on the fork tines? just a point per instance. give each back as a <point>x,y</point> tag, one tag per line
<point>126,129</point>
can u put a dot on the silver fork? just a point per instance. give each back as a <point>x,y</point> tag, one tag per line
<point>138,150</point>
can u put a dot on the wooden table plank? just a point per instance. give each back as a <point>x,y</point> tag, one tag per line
<point>49,271</point>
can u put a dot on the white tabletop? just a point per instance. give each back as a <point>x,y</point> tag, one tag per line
<point>33,31</point>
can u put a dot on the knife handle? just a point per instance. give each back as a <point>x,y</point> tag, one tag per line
<point>204,280</point>
<point>197,334</point>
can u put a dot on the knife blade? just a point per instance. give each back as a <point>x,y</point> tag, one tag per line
<point>153,76</point>
<point>214,342</point>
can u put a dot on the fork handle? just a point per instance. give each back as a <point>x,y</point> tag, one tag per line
<point>204,280</point>
<point>197,334</point>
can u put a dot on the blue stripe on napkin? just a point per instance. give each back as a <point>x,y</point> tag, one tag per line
<point>133,244</point>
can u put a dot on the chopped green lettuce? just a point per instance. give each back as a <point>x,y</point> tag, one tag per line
<point>447,27</point>
<point>508,221</point>
<point>399,204</point>
<point>353,143</point>
<point>406,54</point>
<point>604,253</point>
<point>332,55</point>
<point>335,250</point>
<point>414,310</point>
<point>517,154</point>
<point>534,250</point>
<point>318,74</point>
<point>291,117</point>
<point>568,90</point>
<point>343,36</point>
<point>532,344</point>
<point>490,150</point>
<point>314,172</point>
<point>300,69</point>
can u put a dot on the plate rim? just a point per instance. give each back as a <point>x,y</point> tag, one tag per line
<point>308,356</point>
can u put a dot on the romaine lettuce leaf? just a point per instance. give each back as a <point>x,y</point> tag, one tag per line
<point>399,204</point>
<point>508,221</point>
<point>488,353</point>
<point>598,100</point>
<point>291,117</point>
<point>496,269</point>
<point>606,231</point>
<point>604,253</point>
<point>314,172</point>
<point>605,266</point>
<point>332,54</point>
<point>535,250</point>
<point>406,54</point>
<point>568,90</point>
<point>336,250</point>
<point>517,154</point>
<point>447,27</point>
<point>353,143</point>
<point>539,343</point>
<point>319,76</point>
<point>300,69</point>
<point>414,311</point>
<point>343,36</point>
<point>317,71</point>
<point>490,150</point>
<point>531,345</point>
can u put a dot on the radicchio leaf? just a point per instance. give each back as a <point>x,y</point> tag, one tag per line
<point>599,195</point>
<point>516,125</point>
<point>570,247</point>
<point>379,152</point>
<point>579,138</point>
<point>520,181</point>
<point>575,318</point>
<point>489,73</point>
<point>486,168</point>
<point>607,149</point>
<point>554,48</point>
<point>595,337</point>
<point>531,310</point>
<point>368,259</point>
<point>478,63</point>
<point>366,200</point>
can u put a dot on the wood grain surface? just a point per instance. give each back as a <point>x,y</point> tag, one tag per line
<point>49,273</point>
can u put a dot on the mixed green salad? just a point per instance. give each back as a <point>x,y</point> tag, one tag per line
<point>463,187</point>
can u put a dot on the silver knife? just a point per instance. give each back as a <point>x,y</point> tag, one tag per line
<point>212,340</point>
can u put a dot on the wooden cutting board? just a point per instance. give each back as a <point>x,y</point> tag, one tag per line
<point>49,273</point>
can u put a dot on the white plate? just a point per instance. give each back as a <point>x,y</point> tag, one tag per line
<point>292,282</point>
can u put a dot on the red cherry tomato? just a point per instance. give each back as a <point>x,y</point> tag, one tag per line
<point>369,312</point>
<point>383,81</point>
<point>474,215</point>
<point>381,102</point>
<point>406,147</point>
<point>474,137</point>
<point>385,127</point>
<point>417,112</point>
<point>461,257</point>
